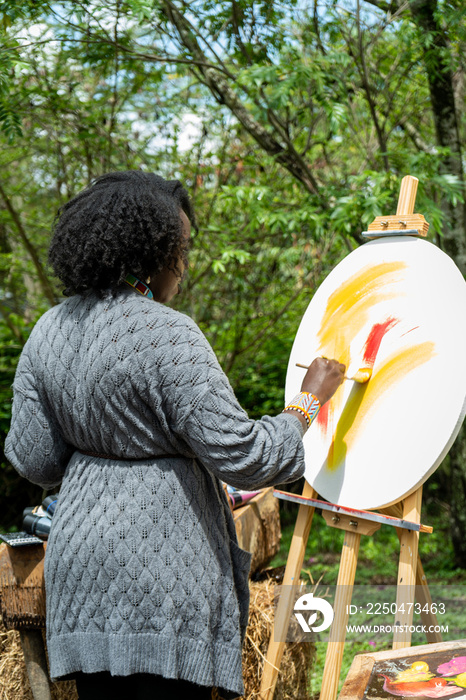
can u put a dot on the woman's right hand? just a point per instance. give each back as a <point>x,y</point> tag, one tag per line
<point>323,378</point>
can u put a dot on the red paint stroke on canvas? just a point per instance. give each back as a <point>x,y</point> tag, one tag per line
<point>322,416</point>
<point>374,339</point>
<point>410,331</point>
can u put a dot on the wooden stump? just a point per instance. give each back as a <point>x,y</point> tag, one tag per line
<point>22,604</point>
<point>258,528</point>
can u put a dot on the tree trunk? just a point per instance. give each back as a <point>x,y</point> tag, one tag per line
<point>457,458</point>
<point>442,93</point>
<point>44,282</point>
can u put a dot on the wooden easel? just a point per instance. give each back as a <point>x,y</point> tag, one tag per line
<point>410,571</point>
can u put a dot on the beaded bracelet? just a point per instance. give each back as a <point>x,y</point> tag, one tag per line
<point>306,404</point>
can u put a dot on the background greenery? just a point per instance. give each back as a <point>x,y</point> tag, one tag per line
<point>291,123</point>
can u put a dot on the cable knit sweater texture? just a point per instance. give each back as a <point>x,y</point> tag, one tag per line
<point>142,572</point>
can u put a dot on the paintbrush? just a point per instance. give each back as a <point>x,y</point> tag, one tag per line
<point>361,377</point>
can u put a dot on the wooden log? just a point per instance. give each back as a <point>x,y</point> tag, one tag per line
<point>36,663</point>
<point>22,605</point>
<point>22,590</point>
<point>258,528</point>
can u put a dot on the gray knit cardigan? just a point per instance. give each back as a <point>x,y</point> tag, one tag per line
<point>143,573</point>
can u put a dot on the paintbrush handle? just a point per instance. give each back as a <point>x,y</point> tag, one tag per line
<point>365,374</point>
<point>298,364</point>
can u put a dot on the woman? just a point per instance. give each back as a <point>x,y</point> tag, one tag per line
<point>121,400</point>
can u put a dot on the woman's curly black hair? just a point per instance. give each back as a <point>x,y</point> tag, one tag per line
<point>124,222</point>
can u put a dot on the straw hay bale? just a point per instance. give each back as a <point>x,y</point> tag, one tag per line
<point>13,677</point>
<point>297,658</point>
<point>292,683</point>
<point>14,683</point>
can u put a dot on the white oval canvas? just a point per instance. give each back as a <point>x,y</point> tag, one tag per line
<point>397,305</point>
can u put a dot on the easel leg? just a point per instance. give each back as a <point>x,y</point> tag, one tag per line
<point>423,597</point>
<point>286,601</point>
<point>405,593</point>
<point>334,657</point>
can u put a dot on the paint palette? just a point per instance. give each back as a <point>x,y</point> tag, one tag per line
<point>427,671</point>
<point>396,305</point>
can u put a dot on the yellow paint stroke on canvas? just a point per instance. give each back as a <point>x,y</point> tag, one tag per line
<point>364,397</point>
<point>347,313</point>
<point>352,301</point>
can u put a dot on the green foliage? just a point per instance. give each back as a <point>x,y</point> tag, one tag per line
<point>12,11</point>
<point>10,59</point>
<point>339,91</point>
<point>15,492</point>
<point>10,350</point>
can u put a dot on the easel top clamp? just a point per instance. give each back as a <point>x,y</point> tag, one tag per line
<point>355,523</point>
<point>404,222</point>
